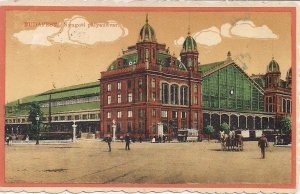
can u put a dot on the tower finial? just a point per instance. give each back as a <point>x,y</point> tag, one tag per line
<point>189,30</point>
<point>228,55</point>
<point>147,18</point>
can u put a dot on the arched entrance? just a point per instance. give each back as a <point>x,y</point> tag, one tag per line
<point>215,121</point>
<point>257,123</point>
<point>250,121</point>
<point>265,123</point>
<point>242,122</point>
<point>206,119</point>
<point>233,122</point>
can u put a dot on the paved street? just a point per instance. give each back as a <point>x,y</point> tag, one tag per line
<point>88,161</point>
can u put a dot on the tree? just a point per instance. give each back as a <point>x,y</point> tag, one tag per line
<point>286,125</point>
<point>225,127</point>
<point>209,130</point>
<point>34,111</point>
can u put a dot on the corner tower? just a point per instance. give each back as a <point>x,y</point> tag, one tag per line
<point>146,46</point>
<point>189,53</point>
<point>273,74</point>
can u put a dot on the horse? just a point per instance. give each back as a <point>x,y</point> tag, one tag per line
<point>230,140</point>
<point>239,142</point>
<point>223,140</point>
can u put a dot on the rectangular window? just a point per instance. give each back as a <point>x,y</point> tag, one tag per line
<point>119,115</point>
<point>164,114</point>
<point>119,98</point>
<point>129,127</point>
<point>140,83</point>
<point>153,83</point>
<point>108,115</point>
<point>69,117</point>
<point>195,89</point>
<point>129,84</point>
<point>108,99</point>
<point>153,95</point>
<point>195,116</point>
<point>196,100</point>
<point>140,96</point>
<point>174,114</point>
<point>183,115</point>
<point>153,128</point>
<point>119,85</point>
<point>55,119</point>
<point>140,126</point>
<point>76,117</point>
<point>92,116</point>
<point>108,128</point>
<point>108,87</point>
<point>129,113</point>
<point>62,118</point>
<point>129,97</point>
<point>153,113</point>
<point>84,117</point>
<point>141,114</point>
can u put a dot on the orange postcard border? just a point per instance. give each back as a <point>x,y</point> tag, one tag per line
<point>4,9</point>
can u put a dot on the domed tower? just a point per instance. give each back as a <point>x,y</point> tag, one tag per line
<point>146,45</point>
<point>273,74</point>
<point>289,78</point>
<point>189,53</point>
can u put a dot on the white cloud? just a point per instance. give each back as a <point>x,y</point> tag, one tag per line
<point>225,30</point>
<point>76,30</point>
<point>39,36</point>
<point>208,37</point>
<point>247,29</point>
<point>179,41</point>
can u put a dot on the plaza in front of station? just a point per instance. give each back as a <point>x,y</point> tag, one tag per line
<point>88,161</point>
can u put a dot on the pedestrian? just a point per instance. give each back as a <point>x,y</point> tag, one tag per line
<point>164,138</point>
<point>159,139</point>
<point>140,139</point>
<point>263,143</point>
<point>10,140</point>
<point>27,139</point>
<point>7,140</point>
<point>109,140</point>
<point>127,141</point>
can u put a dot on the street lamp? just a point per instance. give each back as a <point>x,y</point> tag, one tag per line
<point>37,118</point>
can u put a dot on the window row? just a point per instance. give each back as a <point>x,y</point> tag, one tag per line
<point>71,101</point>
<point>129,84</point>
<point>173,94</point>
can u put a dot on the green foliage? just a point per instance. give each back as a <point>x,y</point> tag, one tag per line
<point>209,129</point>
<point>225,127</point>
<point>286,125</point>
<point>34,110</point>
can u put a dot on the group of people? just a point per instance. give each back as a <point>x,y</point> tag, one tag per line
<point>159,139</point>
<point>127,141</point>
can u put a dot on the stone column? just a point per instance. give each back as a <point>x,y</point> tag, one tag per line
<point>74,131</point>
<point>114,130</point>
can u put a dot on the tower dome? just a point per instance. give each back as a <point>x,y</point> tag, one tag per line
<point>147,33</point>
<point>273,66</point>
<point>189,44</point>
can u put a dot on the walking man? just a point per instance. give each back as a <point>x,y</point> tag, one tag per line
<point>127,140</point>
<point>108,140</point>
<point>263,143</point>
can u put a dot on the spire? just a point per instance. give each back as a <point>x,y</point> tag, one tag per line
<point>229,56</point>
<point>189,30</point>
<point>147,18</point>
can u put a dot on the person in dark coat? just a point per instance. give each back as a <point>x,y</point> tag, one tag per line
<point>140,139</point>
<point>263,143</point>
<point>127,141</point>
<point>109,140</point>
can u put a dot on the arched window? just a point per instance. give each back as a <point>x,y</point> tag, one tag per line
<point>174,94</point>
<point>165,93</point>
<point>184,95</point>
<point>288,106</point>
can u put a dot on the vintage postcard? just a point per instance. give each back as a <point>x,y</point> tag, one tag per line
<point>148,98</point>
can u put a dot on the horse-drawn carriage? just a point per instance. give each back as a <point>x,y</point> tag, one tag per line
<point>231,141</point>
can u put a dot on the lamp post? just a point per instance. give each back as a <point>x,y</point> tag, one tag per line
<point>74,131</point>
<point>37,118</point>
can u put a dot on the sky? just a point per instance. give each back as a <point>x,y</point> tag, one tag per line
<point>46,50</point>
